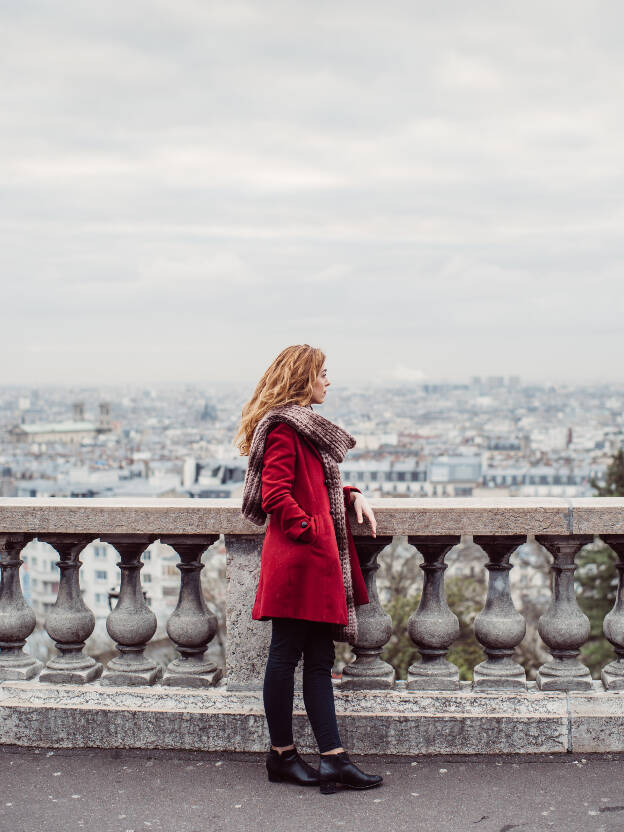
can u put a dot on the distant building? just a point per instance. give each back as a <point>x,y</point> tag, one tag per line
<point>214,481</point>
<point>542,480</point>
<point>99,577</point>
<point>454,476</point>
<point>386,477</point>
<point>443,477</point>
<point>72,431</point>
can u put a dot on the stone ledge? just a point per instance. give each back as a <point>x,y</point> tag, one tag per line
<point>426,516</point>
<point>35,714</point>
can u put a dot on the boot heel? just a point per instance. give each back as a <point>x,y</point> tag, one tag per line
<point>274,777</point>
<point>328,787</point>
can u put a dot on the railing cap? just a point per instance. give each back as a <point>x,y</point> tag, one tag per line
<point>427,516</point>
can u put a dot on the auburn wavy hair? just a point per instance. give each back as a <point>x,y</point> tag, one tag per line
<point>288,379</point>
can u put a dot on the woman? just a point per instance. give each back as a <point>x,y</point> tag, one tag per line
<point>310,578</point>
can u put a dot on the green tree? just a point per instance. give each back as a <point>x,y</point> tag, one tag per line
<point>596,581</point>
<point>465,597</point>
<point>614,479</point>
<point>400,651</point>
<point>596,576</point>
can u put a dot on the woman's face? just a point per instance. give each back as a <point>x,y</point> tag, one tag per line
<point>319,388</point>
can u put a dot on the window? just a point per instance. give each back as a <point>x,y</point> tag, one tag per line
<point>33,582</point>
<point>101,575</point>
<point>33,561</point>
<point>99,550</point>
<point>53,566</point>
<point>169,569</point>
<point>147,555</point>
<point>100,598</point>
<point>147,579</point>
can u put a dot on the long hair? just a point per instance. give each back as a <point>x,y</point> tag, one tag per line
<point>288,379</point>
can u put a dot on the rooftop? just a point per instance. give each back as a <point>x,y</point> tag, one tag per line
<point>56,427</point>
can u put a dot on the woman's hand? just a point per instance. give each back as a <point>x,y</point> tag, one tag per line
<point>363,509</point>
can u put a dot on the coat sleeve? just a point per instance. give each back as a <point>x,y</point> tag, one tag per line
<point>278,477</point>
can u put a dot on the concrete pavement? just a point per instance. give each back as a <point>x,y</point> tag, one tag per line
<point>142,791</point>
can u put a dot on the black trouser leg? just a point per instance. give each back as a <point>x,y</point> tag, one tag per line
<point>290,638</point>
<point>287,640</point>
<point>318,691</point>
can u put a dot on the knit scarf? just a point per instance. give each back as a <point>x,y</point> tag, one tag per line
<point>332,443</point>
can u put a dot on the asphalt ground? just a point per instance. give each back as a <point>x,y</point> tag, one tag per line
<point>142,791</point>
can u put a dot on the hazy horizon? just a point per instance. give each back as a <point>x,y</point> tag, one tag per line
<point>425,191</point>
<point>343,385</point>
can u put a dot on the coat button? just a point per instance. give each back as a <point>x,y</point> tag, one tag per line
<point>326,482</point>
<point>303,524</point>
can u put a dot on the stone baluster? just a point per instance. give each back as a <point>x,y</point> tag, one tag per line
<point>433,627</point>
<point>612,674</point>
<point>191,625</point>
<point>17,620</point>
<point>499,627</point>
<point>70,622</point>
<point>564,628</point>
<point>131,624</point>
<point>368,671</point>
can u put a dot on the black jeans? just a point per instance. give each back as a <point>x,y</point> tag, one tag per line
<point>290,638</point>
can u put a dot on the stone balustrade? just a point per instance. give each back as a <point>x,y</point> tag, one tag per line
<point>564,706</point>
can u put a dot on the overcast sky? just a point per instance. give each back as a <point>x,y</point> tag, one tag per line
<point>423,189</point>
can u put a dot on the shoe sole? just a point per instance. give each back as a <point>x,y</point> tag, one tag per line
<point>332,787</point>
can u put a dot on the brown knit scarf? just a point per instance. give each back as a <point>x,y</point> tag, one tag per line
<point>332,443</point>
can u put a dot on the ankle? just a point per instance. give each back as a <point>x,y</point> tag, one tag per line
<point>333,751</point>
<point>281,748</point>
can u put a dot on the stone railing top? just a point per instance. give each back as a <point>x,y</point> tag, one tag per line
<point>426,516</point>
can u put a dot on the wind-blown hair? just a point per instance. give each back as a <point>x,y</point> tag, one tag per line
<point>288,379</point>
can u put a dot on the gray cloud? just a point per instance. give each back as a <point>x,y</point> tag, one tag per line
<point>418,188</point>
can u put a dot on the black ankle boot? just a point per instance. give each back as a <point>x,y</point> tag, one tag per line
<point>289,766</point>
<point>338,769</point>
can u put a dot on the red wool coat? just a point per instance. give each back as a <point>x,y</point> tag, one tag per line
<point>300,573</point>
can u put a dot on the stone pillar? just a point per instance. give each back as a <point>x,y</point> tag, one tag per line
<point>69,623</point>
<point>433,627</point>
<point>248,641</point>
<point>368,671</point>
<point>17,620</point>
<point>612,674</point>
<point>191,625</point>
<point>499,627</point>
<point>564,628</point>
<point>131,624</point>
